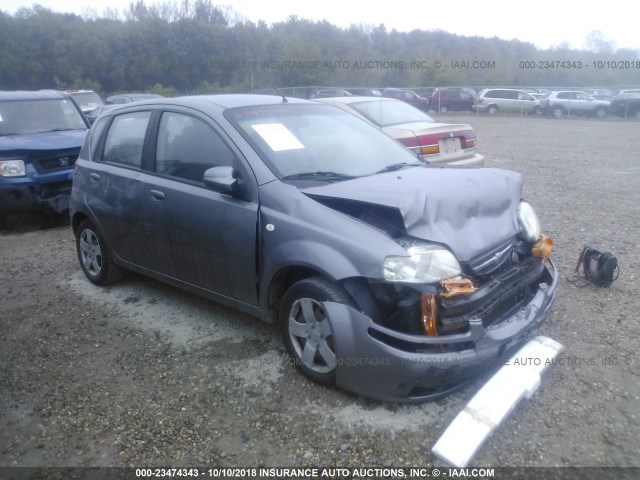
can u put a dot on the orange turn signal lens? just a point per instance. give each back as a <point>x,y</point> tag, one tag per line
<point>429,309</point>
<point>542,247</point>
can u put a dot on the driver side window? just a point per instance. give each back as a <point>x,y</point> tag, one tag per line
<point>187,147</point>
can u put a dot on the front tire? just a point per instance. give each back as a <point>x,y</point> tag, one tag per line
<point>601,113</point>
<point>306,328</point>
<point>95,257</point>
<point>444,109</point>
<point>492,109</point>
<point>557,112</point>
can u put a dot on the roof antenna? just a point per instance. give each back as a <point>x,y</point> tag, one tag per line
<point>284,99</point>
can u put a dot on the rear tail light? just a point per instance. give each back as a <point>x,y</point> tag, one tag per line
<point>430,144</point>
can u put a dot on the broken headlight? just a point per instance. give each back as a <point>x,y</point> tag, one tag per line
<point>425,264</point>
<point>529,223</point>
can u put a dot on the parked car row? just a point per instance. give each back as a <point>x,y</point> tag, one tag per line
<point>556,103</point>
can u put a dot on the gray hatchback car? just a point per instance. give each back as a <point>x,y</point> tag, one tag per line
<point>389,278</point>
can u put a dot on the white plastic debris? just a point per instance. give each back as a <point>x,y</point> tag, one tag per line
<point>519,377</point>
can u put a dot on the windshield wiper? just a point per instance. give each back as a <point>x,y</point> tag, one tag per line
<point>321,176</point>
<point>397,166</point>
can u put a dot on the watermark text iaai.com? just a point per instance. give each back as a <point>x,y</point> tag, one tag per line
<point>357,64</point>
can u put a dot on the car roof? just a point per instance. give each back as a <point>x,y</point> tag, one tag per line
<point>31,95</point>
<point>225,101</point>
<point>507,89</point>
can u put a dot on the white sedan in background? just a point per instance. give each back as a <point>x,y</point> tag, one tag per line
<point>436,143</point>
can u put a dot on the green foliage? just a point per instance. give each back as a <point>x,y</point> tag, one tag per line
<point>194,46</point>
<point>159,89</point>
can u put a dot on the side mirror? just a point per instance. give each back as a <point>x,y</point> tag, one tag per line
<point>222,180</point>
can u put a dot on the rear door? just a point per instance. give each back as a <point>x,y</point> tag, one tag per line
<point>112,183</point>
<point>199,236</point>
<point>582,102</point>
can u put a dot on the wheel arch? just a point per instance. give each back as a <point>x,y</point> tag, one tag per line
<point>77,219</point>
<point>280,282</point>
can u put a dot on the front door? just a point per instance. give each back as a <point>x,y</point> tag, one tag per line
<point>200,236</point>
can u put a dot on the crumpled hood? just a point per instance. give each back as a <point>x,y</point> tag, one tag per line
<point>467,209</point>
<point>43,141</point>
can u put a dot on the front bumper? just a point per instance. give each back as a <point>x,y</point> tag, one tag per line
<point>369,366</point>
<point>22,195</point>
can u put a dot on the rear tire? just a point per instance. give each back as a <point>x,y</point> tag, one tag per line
<point>95,257</point>
<point>444,109</point>
<point>306,328</point>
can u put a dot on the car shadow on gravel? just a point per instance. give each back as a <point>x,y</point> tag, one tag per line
<point>18,223</point>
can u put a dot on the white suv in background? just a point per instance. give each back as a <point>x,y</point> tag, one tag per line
<point>573,102</point>
<point>493,100</point>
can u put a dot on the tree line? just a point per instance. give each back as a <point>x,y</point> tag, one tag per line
<point>198,47</point>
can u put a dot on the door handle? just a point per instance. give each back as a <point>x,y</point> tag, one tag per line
<point>95,177</point>
<point>157,195</point>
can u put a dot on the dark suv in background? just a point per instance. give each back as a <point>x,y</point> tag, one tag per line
<point>40,138</point>
<point>445,99</point>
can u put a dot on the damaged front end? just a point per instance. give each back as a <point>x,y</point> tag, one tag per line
<point>437,337</point>
<point>471,281</point>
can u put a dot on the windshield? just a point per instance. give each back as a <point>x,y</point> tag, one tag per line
<point>20,117</point>
<point>384,113</point>
<point>317,142</point>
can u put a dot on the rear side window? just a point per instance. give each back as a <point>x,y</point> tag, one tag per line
<point>125,139</point>
<point>95,134</point>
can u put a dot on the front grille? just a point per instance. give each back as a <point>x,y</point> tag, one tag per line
<point>51,161</point>
<point>499,298</point>
<point>494,259</point>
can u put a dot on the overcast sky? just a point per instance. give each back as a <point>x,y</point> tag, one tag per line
<point>544,23</point>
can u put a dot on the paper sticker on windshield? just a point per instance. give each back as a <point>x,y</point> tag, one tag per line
<point>277,136</point>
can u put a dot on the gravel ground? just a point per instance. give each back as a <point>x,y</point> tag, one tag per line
<point>141,374</point>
